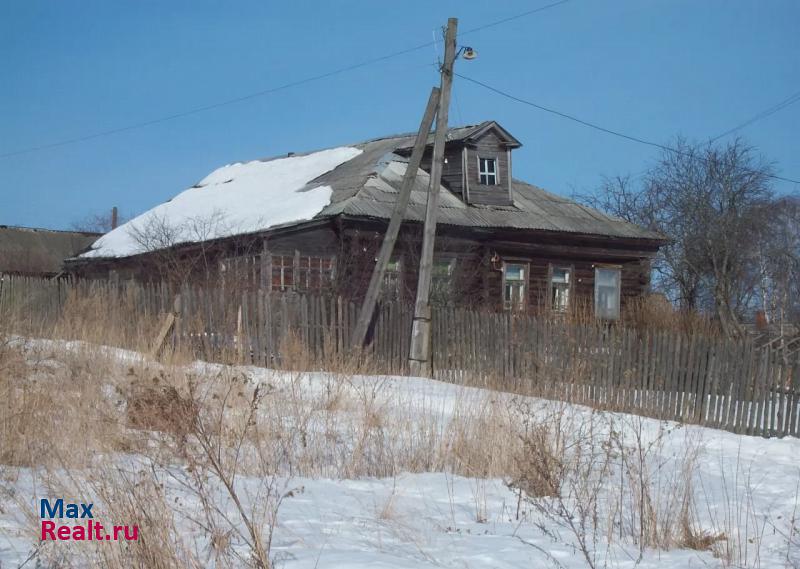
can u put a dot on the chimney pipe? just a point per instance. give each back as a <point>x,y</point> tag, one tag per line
<point>114,217</point>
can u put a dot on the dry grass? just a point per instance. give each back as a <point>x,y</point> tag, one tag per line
<point>654,312</point>
<point>52,400</point>
<point>601,478</point>
<point>67,409</point>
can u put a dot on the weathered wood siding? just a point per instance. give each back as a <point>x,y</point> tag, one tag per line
<point>477,283</point>
<point>352,245</point>
<point>635,275</point>
<point>488,146</point>
<point>452,172</point>
<point>460,173</point>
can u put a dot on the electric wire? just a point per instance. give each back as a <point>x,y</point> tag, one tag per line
<point>591,124</point>
<point>762,115</point>
<point>263,92</point>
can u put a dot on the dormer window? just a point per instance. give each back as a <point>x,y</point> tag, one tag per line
<point>487,171</point>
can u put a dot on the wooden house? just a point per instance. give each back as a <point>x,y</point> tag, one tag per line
<point>501,242</point>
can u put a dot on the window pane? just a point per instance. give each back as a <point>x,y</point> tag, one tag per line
<point>442,268</point>
<point>606,293</point>
<point>391,281</point>
<point>515,272</point>
<point>607,277</point>
<point>559,288</point>
<point>560,298</point>
<point>487,171</point>
<point>514,286</point>
<point>442,281</point>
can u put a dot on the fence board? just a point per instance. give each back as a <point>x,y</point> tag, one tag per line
<point>733,385</point>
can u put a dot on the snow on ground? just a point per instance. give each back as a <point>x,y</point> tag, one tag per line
<point>424,520</point>
<point>746,486</point>
<point>235,199</point>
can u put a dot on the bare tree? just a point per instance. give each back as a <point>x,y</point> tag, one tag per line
<point>779,264</point>
<point>716,207</point>
<point>167,241</point>
<point>98,222</point>
<point>623,197</point>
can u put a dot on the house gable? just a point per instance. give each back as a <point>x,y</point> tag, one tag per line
<point>490,148</point>
<point>461,172</point>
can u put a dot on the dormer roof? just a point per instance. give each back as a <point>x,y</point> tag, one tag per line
<point>470,134</point>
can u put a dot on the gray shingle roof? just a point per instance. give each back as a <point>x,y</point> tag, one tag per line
<point>368,186</point>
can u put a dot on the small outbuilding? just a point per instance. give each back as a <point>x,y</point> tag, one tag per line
<point>39,252</point>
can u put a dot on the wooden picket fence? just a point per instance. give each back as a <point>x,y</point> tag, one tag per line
<point>732,385</point>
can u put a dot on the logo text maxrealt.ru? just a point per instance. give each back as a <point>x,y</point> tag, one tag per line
<point>88,531</point>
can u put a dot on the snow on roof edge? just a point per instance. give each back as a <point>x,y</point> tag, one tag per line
<point>232,200</point>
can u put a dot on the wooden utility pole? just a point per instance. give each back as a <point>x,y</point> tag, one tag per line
<point>419,357</point>
<point>400,206</point>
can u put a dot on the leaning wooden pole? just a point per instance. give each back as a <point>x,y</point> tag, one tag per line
<point>419,357</point>
<point>400,206</point>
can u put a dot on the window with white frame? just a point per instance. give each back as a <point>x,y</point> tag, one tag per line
<point>487,171</point>
<point>515,285</point>
<point>607,283</point>
<point>560,283</point>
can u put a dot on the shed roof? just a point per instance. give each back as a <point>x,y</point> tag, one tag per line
<point>36,251</point>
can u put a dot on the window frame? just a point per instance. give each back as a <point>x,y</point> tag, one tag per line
<point>482,173</point>
<point>507,302</point>
<point>394,276</point>
<point>551,285</point>
<point>618,271</point>
<point>313,274</point>
<point>443,284</point>
<point>285,272</point>
<point>300,273</point>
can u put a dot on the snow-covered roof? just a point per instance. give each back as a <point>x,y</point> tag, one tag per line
<point>361,180</point>
<point>232,200</point>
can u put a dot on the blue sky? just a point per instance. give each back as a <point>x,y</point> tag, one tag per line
<point>653,69</point>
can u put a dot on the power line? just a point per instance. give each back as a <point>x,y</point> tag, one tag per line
<point>219,104</point>
<point>590,124</point>
<point>515,17</point>
<point>271,90</point>
<point>762,115</point>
